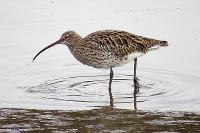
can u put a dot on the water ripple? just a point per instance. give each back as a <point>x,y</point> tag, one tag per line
<point>160,89</point>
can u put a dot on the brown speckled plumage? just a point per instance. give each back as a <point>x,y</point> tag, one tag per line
<point>107,48</point>
<point>121,43</point>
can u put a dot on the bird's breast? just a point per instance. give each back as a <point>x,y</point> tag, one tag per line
<point>102,59</point>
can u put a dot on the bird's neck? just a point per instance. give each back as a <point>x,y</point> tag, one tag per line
<point>74,41</point>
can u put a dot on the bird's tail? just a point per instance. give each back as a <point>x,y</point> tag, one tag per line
<point>158,45</point>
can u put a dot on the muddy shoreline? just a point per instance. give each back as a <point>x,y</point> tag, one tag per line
<point>105,119</point>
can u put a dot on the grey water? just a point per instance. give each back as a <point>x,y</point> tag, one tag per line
<point>169,77</point>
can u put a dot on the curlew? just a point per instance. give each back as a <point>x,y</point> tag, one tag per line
<point>107,49</point>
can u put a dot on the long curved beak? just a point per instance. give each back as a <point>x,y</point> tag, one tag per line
<point>49,46</point>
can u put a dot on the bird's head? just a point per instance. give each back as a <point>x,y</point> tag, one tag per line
<point>67,38</point>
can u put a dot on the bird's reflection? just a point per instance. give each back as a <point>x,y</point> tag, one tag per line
<point>111,97</point>
<point>135,92</point>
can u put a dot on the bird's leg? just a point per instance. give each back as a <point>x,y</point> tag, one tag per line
<point>135,65</point>
<point>135,79</point>
<point>109,88</point>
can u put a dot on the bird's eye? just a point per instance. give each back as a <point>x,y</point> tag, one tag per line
<point>66,36</point>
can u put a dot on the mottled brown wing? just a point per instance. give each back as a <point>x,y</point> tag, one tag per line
<point>120,43</point>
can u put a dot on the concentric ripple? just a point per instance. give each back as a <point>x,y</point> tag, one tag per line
<point>159,90</point>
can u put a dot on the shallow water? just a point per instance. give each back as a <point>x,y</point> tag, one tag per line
<point>169,77</point>
<point>159,90</point>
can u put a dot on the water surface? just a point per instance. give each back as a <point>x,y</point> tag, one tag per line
<point>169,77</point>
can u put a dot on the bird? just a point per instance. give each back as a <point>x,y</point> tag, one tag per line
<point>107,49</point>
